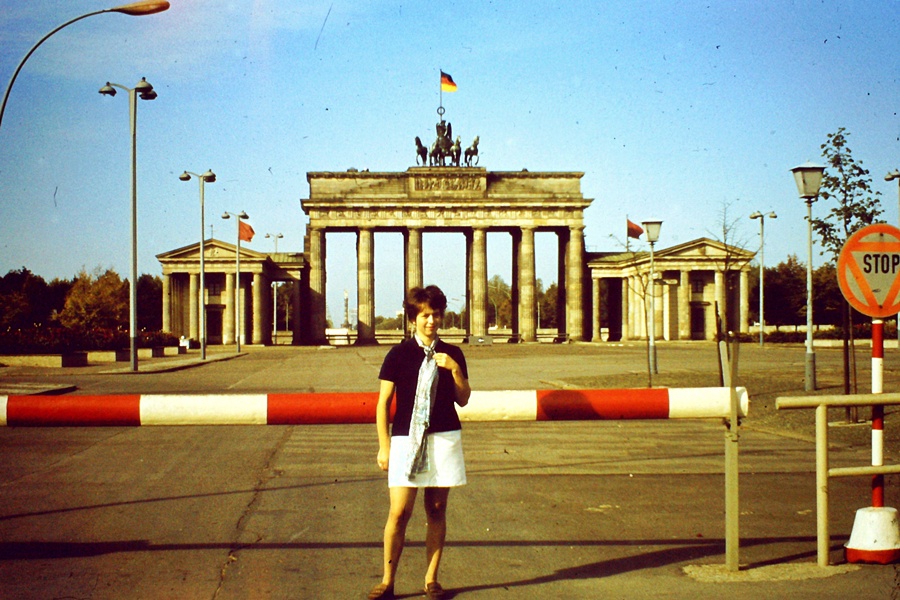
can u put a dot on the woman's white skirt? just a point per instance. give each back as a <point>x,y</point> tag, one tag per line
<point>446,466</point>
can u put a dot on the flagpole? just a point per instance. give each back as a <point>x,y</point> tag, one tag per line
<point>627,234</point>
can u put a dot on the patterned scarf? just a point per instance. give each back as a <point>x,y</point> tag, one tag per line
<point>426,386</point>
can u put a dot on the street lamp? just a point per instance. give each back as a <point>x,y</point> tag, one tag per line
<point>148,7</point>
<point>237,283</point>
<point>895,174</point>
<point>762,246</point>
<point>145,91</point>
<point>651,228</point>
<point>208,177</point>
<point>275,237</point>
<point>809,177</point>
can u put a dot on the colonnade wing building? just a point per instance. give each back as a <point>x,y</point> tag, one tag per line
<point>601,295</point>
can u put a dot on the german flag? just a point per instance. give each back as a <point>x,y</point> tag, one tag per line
<point>447,83</point>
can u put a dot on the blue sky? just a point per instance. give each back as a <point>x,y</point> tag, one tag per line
<point>672,110</point>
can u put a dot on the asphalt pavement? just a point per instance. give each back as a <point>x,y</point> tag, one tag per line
<point>600,509</point>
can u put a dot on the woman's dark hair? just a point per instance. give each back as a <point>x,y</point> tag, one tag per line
<point>417,298</point>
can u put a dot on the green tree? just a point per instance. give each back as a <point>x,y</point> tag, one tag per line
<point>855,205</point>
<point>97,300</point>
<point>499,302</point>
<point>786,282</point>
<point>149,303</point>
<point>848,184</point>
<point>547,301</point>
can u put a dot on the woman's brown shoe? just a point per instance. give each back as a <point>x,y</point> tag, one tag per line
<point>434,591</point>
<point>382,591</point>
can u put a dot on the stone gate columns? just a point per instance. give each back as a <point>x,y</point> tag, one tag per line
<point>193,304</point>
<point>259,314</point>
<point>365,279</point>
<point>721,309</point>
<point>228,313</point>
<point>527,284</point>
<point>412,238</point>
<point>744,324</point>
<point>167,303</point>
<point>595,313</point>
<point>478,294</point>
<point>315,253</point>
<point>574,272</point>
<point>684,306</point>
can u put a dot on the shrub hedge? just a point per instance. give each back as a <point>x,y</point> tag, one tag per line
<point>56,340</point>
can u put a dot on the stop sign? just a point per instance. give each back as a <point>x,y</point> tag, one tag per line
<point>868,270</point>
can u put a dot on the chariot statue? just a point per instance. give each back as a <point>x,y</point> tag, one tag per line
<point>445,149</point>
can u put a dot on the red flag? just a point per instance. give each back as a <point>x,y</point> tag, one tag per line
<point>447,83</point>
<point>245,232</point>
<point>634,230</point>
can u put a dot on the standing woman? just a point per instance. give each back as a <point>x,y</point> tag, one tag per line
<point>424,447</point>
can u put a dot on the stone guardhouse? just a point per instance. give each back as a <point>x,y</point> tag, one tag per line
<point>694,284</point>
<point>181,291</point>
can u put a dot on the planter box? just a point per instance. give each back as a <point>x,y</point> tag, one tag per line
<point>123,355</point>
<point>158,352</point>
<point>76,358</point>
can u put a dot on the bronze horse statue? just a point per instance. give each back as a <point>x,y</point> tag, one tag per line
<point>421,152</point>
<point>472,152</point>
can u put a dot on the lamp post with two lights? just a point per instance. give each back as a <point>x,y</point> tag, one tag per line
<point>208,177</point>
<point>762,246</point>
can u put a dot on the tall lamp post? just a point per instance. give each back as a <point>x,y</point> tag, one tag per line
<point>651,228</point>
<point>895,174</point>
<point>137,9</point>
<point>208,177</point>
<point>808,177</point>
<point>237,283</point>
<point>762,247</point>
<point>145,91</point>
<point>275,237</point>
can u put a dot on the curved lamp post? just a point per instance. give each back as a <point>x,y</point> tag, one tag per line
<point>895,174</point>
<point>651,228</point>
<point>208,177</point>
<point>145,91</point>
<point>762,247</point>
<point>276,237</point>
<point>237,283</point>
<point>147,7</point>
<point>809,177</point>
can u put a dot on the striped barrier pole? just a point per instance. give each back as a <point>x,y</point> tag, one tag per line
<point>347,408</point>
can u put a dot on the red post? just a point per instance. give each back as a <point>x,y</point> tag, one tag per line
<point>877,411</point>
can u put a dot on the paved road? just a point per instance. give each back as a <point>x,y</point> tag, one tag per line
<point>552,510</point>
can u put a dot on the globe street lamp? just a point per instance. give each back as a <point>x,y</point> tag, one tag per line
<point>808,177</point>
<point>208,177</point>
<point>762,246</point>
<point>145,91</point>
<point>237,283</point>
<point>651,228</point>
<point>148,7</point>
<point>275,237</point>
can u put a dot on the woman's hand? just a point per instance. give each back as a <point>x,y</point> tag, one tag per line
<point>444,360</point>
<point>383,455</point>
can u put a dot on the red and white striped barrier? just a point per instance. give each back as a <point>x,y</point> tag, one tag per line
<point>345,408</point>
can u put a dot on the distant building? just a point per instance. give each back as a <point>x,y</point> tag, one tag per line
<point>695,282</point>
<point>181,291</point>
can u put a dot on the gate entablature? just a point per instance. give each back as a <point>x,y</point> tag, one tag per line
<point>438,198</point>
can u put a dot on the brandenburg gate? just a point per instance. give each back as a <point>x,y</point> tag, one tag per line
<point>468,200</point>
